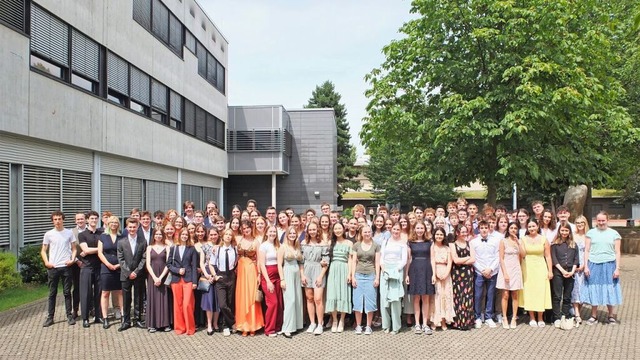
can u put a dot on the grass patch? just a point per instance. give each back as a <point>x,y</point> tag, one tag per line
<point>21,295</point>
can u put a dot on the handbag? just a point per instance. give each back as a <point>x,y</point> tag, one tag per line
<point>167,280</point>
<point>259,295</point>
<point>203,284</point>
<point>566,324</point>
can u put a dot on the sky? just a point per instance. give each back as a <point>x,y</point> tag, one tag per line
<point>280,50</point>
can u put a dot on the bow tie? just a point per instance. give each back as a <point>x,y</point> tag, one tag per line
<point>484,239</point>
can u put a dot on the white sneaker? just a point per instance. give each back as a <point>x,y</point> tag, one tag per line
<point>368,330</point>
<point>358,330</point>
<point>318,330</point>
<point>490,323</point>
<point>557,324</point>
<point>479,323</point>
<point>311,328</point>
<point>417,329</point>
<point>541,324</point>
<point>499,318</point>
<point>226,332</point>
<point>533,323</point>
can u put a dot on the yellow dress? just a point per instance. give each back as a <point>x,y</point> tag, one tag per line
<point>536,291</point>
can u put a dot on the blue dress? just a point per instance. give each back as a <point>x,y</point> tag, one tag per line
<point>110,280</point>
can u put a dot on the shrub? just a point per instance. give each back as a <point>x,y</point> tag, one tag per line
<point>31,267</point>
<point>9,276</point>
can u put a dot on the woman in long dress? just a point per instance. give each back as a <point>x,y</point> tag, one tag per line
<point>248,313</point>
<point>290,268</point>
<point>462,279</point>
<point>441,261</point>
<point>339,279</point>
<point>158,315</point>
<point>510,273</point>
<point>535,296</point>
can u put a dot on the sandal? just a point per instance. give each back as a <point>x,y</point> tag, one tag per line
<point>592,321</point>
<point>612,321</point>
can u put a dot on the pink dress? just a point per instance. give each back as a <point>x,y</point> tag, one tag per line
<point>443,300</point>
<point>512,266</point>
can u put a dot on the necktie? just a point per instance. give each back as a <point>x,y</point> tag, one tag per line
<point>484,239</point>
<point>226,260</point>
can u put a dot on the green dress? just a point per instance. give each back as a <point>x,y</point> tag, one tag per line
<point>338,291</point>
<point>292,319</point>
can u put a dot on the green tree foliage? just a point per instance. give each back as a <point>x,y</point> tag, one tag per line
<point>32,269</point>
<point>9,277</point>
<point>325,96</point>
<point>504,92</point>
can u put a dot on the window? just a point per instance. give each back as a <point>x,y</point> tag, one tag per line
<point>45,66</point>
<point>83,83</point>
<point>142,13</point>
<point>158,102</point>
<point>85,61</point>
<point>160,23</point>
<point>175,102</point>
<point>5,211</point>
<point>12,14</point>
<point>189,118</point>
<point>156,18</point>
<point>201,119</point>
<point>49,40</point>
<point>76,194</point>
<point>175,35</point>
<point>118,77</point>
<point>41,189</point>
<point>209,68</point>
<point>190,41</point>
<point>202,60</point>
<point>140,89</point>
<point>220,79</point>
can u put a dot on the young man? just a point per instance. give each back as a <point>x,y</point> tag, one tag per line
<point>90,271</point>
<point>462,215</point>
<point>486,266</point>
<point>251,205</point>
<point>325,208</point>
<point>500,210</point>
<point>395,214</point>
<point>419,212</point>
<point>382,210</point>
<point>58,254</point>
<point>538,208</point>
<point>145,226</point>
<point>158,218</point>
<point>334,217</point>
<point>440,211</point>
<point>564,215</point>
<point>472,210</point>
<point>430,214</point>
<point>271,216</point>
<point>188,208</point>
<point>308,215</point>
<point>81,225</point>
<point>131,256</point>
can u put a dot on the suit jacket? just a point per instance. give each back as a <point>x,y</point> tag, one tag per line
<point>131,260</point>
<point>189,261</point>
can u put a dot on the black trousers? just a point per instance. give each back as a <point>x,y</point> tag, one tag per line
<point>90,291</point>
<point>226,293</point>
<point>140,295</point>
<point>131,290</point>
<point>54,276</point>
<point>561,294</point>
<point>75,292</point>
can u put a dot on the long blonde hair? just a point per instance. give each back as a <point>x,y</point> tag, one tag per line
<point>291,252</point>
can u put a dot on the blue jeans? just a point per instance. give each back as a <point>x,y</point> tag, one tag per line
<point>481,284</point>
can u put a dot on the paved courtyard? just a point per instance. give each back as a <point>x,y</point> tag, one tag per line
<point>24,338</point>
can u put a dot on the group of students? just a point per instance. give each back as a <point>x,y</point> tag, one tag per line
<point>441,268</point>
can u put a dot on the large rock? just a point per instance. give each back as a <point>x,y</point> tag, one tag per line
<point>575,198</point>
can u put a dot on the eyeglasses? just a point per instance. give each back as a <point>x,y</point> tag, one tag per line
<point>580,223</point>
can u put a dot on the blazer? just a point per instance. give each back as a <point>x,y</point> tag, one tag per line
<point>131,260</point>
<point>189,261</point>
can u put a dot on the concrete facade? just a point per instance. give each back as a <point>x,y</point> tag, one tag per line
<point>59,138</point>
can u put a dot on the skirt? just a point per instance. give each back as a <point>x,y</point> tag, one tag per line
<point>364,295</point>
<point>601,288</point>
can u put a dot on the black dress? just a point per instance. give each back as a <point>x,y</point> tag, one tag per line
<point>110,280</point>
<point>462,277</point>
<point>158,314</point>
<point>420,272</point>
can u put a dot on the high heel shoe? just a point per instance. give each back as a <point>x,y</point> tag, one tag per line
<point>505,323</point>
<point>105,323</point>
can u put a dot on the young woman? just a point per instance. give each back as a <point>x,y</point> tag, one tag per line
<point>236,210</point>
<point>602,269</point>
<point>352,234</point>
<point>110,267</point>
<point>535,296</point>
<point>548,227</point>
<point>253,216</point>
<point>283,225</point>
<point>393,259</point>
<point>234,225</point>
<point>260,227</point>
<point>502,225</point>
<point>565,258</point>
<point>405,226</point>
<point>441,262</point>
<point>200,239</point>
<point>169,234</point>
<point>244,216</point>
<point>380,234</point>
<point>339,279</point>
<point>178,224</point>
<point>249,317</point>
<point>158,315</point>
<point>296,222</point>
<point>523,221</point>
<point>388,224</point>
<point>183,265</point>
<point>222,266</point>
<point>419,276</point>
<point>315,252</point>
<point>171,215</point>
<point>365,278</point>
<point>462,279</point>
<point>270,282</point>
<point>324,231</point>
<point>440,222</point>
<point>510,273</point>
<point>289,269</point>
<point>208,301</point>
<point>582,226</point>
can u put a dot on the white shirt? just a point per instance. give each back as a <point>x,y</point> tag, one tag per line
<point>487,254</point>
<point>394,252</point>
<point>270,253</point>
<point>223,252</point>
<point>59,243</point>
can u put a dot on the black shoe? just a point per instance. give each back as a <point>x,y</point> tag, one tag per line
<point>85,323</point>
<point>124,326</point>
<point>75,315</point>
<point>105,324</point>
<point>139,324</point>
<point>48,322</point>
<point>209,332</point>
<point>71,320</point>
<point>167,329</point>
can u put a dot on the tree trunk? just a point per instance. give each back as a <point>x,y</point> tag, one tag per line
<point>492,194</point>
<point>587,207</point>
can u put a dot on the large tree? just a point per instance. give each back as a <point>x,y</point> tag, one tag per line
<point>503,92</point>
<point>326,96</point>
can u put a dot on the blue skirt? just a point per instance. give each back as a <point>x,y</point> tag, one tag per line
<point>601,288</point>
<point>364,295</point>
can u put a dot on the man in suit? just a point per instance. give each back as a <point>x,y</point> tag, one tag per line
<point>132,257</point>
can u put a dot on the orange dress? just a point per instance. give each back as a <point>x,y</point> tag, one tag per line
<point>249,316</point>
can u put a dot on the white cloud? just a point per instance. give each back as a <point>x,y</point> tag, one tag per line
<point>280,50</point>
